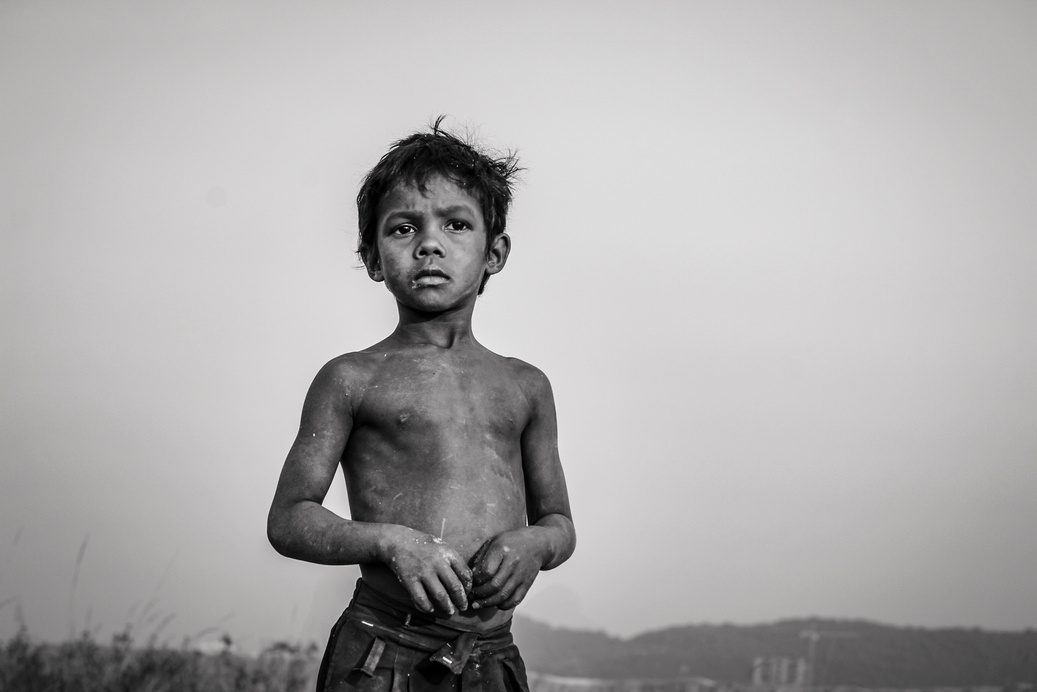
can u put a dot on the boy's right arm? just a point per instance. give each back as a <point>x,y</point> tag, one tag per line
<point>300,527</point>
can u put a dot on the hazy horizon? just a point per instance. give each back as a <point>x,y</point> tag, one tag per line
<point>776,258</point>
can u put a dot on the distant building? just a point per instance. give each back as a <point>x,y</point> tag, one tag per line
<point>779,671</point>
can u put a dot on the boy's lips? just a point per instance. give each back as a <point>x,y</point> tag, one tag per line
<point>430,276</point>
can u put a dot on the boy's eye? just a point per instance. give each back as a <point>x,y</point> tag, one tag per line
<point>458,226</point>
<point>403,229</point>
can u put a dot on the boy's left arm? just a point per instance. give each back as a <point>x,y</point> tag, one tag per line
<point>505,566</point>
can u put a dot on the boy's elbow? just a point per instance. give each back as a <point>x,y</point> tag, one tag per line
<point>273,535</point>
<point>277,532</point>
<point>571,543</point>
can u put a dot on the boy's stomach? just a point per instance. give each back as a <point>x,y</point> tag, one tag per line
<point>462,525</point>
<point>463,499</point>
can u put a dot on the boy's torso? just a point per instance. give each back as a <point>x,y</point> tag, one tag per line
<point>435,445</point>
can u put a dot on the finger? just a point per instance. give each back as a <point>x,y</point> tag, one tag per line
<point>417,594</point>
<point>439,593</point>
<point>463,572</point>
<point>504,566</point>
<point>496,590</point>
<point>490,588</point>
<point>519,594</point>
<point>481,593</point>
<point>514,582</point>
<point>455,589</point>
<point>463,577</point>
<point>490,564</point>
<point>493,600</point>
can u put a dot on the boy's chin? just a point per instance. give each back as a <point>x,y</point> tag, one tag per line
<point>433,304</point>
<point>437,298</point>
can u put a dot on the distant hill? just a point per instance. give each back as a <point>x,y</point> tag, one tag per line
<point>849,652</point>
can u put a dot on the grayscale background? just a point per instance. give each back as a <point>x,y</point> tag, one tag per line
<point>778,260</point>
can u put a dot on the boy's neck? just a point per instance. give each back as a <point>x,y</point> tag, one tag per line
<point>445,329</point>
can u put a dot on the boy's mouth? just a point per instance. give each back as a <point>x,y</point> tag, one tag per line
<point>430,277</point>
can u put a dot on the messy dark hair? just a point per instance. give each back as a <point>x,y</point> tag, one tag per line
<point>415,159</point>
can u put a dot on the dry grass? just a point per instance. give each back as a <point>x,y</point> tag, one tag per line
<point>86,665</point>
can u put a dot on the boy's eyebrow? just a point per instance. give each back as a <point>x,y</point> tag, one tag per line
<point>442,211</point>
<point>457,208</point>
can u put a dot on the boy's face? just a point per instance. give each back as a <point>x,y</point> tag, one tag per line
<point>432,246</point>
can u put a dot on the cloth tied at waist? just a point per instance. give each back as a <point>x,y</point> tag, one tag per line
<point>376,627</point>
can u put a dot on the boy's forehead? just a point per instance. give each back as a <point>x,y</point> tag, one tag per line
<point>438,189</point>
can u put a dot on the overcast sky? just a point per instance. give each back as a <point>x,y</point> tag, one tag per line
<point>778,260</point>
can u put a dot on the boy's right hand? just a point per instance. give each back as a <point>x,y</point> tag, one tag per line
<point>432,572</point>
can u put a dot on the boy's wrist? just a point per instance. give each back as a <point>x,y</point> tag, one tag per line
<point>543,540</point>
<point>555,540</point>
<point>389,539</point>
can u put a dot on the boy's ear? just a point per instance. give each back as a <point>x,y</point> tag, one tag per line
<point>497,254</point>
<point>373,264</point>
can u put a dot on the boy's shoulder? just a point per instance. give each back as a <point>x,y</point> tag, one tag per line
<point>526,377</point>
<point>351,366</point>
<point>526,373</point>
<point>346,374</point>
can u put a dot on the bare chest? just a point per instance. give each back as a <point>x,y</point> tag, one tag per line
<point>430,400</point>
<point>436,445</point>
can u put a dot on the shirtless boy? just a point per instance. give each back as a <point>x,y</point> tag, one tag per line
<point>449,451</point>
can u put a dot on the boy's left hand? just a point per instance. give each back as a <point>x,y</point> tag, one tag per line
<point>504,568</point>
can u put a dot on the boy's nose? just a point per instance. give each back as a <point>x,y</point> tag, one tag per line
<point>430,244</point>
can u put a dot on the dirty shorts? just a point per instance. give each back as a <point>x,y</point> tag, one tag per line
<point>382,645</point>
